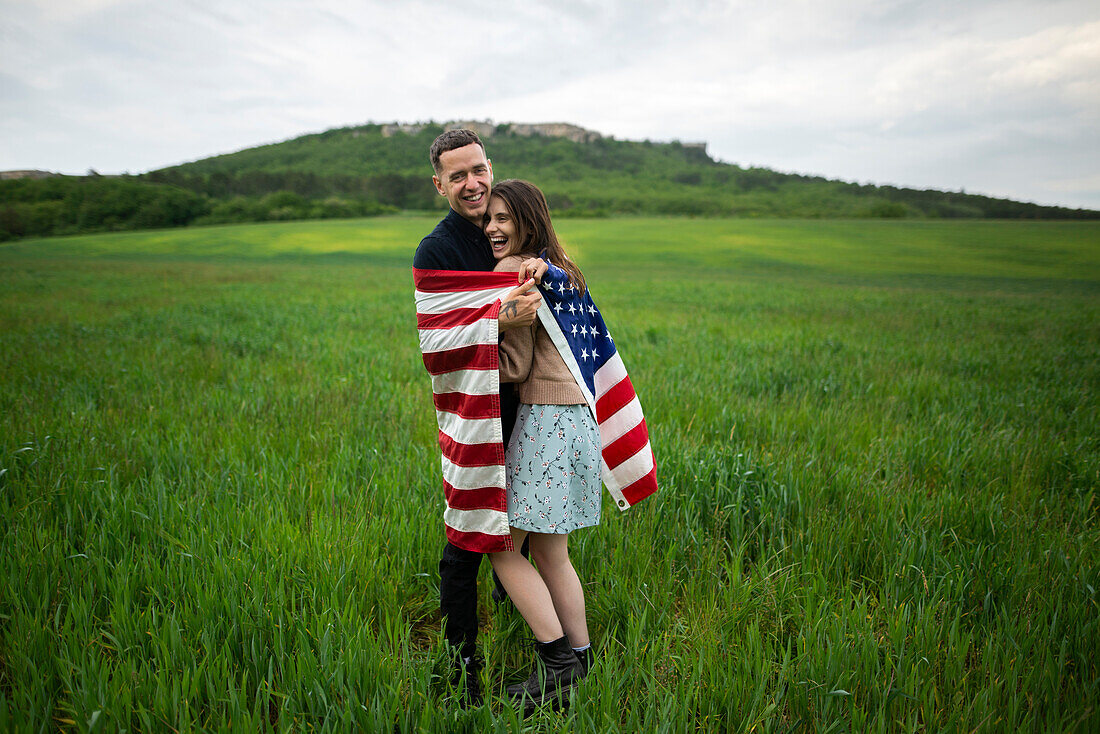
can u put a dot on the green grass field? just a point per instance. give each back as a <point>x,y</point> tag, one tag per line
<point>878,445</point>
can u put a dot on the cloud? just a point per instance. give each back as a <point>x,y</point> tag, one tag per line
<point>891,90</point>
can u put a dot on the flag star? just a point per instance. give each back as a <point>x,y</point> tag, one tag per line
<point>584,354</point>
<point>594,354</point>
<point>584,331</point>
<point>561,288</point>
<point>574,330</point>
<point>593,331</point>
<point>592,310</point>
<point>572,308</point>
<point>557,307</point>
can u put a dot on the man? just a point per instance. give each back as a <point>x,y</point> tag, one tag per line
<point>464,176</point>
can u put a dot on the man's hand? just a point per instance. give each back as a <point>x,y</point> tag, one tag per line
<point>517,309</point>
<point>532,267</point>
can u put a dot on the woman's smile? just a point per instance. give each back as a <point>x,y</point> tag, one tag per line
<point>500,228</point>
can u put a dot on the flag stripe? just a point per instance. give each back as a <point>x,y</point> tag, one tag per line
<point>478,542</point>
<point>437,303</point>
<point>627,445</point>
<point>454,317</point>
<point>455,281</point>
<point>614,399</point>
<point>642,488</point>
<point>471,382</point>
<point>468,406</point>
<point>468,431</point>
<point>440,340</point>
<point>635,468</point>
<point>470,454</point>
<point>471,357</point>
<point>617,425</point>
<point>480,498</point>
<point>473,477</point>
<point>611,374</point>
<point>488,521</point>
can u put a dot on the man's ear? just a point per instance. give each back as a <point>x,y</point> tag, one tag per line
<point>438,188</point>
<point>490,162</point>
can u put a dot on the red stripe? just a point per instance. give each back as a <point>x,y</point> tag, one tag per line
<point>614,399</point>
<point>479,542</point>
<point>451,281</point>
<point>482,498</point>
<point>626,445</point>
<point>468,406</point>
<point>472,357</point>
<point>471,454</point>
<point>456,316</point>
<point>642,488</point>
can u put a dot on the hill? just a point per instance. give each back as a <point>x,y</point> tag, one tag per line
<point>581,171</point>
<point>375,169</point>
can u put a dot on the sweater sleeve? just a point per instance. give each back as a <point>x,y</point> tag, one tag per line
<point>517,346</point>
<point>517,354</point>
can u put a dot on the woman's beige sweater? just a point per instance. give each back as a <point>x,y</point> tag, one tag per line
<point>529,357</point>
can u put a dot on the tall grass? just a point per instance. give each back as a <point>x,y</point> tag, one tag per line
<point>877,444</point>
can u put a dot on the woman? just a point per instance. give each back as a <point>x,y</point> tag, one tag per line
<point>553,459</point>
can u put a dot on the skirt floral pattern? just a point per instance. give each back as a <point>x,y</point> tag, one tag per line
<point>553,467</point>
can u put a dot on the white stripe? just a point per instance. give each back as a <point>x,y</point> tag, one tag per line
<point>634,468</point>
<point>435,303</point>
<point>637,467</point>
<point>471,382</point>
<point>624,419</point>
<point>472,477</point>
<point>610,375</point>
<point>466,430</point>
<point>482,331</point>
<point>491,522</point>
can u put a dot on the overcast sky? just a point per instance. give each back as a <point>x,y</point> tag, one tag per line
<point>998,97</point>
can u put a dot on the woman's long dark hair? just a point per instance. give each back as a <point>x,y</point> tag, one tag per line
<point>534,230</point>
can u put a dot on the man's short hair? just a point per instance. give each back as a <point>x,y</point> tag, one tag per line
<point>451,140</point>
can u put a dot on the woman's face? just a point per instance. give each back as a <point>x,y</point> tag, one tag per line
<point>500,228</point>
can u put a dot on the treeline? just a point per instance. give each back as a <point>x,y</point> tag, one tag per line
<point>68,205</point>
<point>62,205</point>
<point>392,189</point>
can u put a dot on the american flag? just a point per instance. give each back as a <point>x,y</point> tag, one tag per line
<point>584,342</point>
<point>456,314</point>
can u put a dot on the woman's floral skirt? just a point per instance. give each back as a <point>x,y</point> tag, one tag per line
<point>553,469</point>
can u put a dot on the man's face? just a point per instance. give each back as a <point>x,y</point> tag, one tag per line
<point>466,178</point>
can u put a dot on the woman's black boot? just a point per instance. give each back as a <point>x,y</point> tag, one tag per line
<point>555,672</point>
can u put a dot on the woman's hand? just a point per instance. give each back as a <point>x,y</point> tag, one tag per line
<point>517,309</point>
<point>532,267</point>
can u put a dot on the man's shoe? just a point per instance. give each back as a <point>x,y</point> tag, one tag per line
<point>465,678</point>
<point>556,669</point>
<point>584,661</point>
